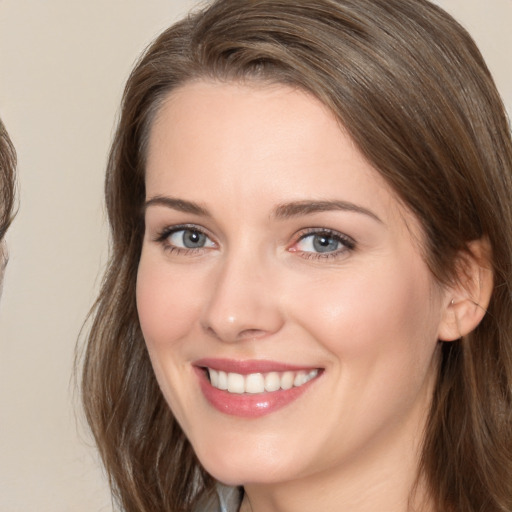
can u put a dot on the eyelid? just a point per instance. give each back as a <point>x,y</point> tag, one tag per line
<point>173,228</point>
<point>162,237</point>
<point>347,242</point>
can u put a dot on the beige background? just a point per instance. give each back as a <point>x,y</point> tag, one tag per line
<point>63,64</point>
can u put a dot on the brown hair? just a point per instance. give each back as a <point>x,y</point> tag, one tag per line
<point>7,180</point>
<point>411,88</point>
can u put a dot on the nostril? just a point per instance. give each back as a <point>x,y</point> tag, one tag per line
<point>210,331</point>
<point>234,335</point>
<point>232,319</point>
<point>251,334</point>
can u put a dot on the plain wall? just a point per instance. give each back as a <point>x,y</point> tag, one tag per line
<point>63,64</point>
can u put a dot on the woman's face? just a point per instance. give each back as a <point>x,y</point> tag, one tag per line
<point>277,263</point>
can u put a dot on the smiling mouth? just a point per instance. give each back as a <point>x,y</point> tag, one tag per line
<point>253,388</point>
<point>254,383</point>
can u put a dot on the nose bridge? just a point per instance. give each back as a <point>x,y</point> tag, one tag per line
<point>243,302</point>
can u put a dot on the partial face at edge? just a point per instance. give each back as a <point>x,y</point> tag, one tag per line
<point>273,247</point>
<point>4,258</point>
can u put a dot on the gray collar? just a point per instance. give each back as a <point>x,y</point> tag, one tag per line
<point>225,499</point>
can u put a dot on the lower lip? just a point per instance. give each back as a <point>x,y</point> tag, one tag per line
<point>248,405</point>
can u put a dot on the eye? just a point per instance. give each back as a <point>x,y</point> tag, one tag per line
<point>182,238</point>
<point>189,239</point>
<point>323,243</point>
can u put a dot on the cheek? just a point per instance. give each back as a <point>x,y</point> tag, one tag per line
<point>380,333</point>
<point>167,309</point>
<point>166,303</point>
<point>389,312</point>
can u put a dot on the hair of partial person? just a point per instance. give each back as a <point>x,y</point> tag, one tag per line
<point>411,88</point>
<point>7,180</point>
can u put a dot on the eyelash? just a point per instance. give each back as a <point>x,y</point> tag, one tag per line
<point>348,244</point>
<point>163,239</point>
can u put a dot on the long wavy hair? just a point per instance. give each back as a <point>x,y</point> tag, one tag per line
<point>411,88</point>
<point>7,180</point>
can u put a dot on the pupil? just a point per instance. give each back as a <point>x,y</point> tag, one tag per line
<point>193,239</point>
<point>323,243</point>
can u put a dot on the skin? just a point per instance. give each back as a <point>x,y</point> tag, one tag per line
<point>368,315</point>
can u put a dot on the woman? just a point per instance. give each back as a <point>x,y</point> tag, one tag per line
<point>7,187</point>
<point>309,293</point>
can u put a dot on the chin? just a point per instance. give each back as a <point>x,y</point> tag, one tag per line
<point>238,466</point>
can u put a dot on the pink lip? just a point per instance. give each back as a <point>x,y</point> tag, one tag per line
<point>247,405</point>
<point>249,366</point>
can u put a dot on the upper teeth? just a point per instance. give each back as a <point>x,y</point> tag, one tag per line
<point>259,382</point>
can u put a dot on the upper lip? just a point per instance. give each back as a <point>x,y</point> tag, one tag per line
<point>247,366</point>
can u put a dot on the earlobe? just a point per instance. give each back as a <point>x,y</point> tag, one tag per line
<point>468,299</point>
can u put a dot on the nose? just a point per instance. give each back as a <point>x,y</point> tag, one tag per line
<point>244,301</point>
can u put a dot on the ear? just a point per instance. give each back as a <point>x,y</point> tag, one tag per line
<point>466,301</point>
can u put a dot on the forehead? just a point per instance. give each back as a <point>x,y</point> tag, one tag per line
<point>245,111</point>
<point>253,123</point>
<point>236,141</point>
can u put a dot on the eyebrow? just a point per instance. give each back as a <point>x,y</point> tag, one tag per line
<point>181,205</point>
<point>299,208</point>
<point>281,212</point>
